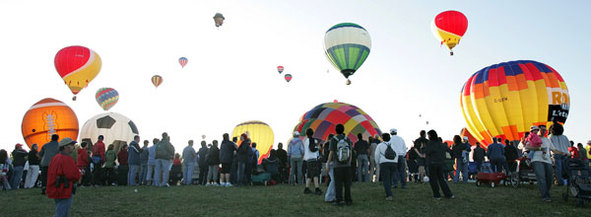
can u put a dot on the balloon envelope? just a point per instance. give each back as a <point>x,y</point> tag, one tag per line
<point>183,61</point>
<point>324,117</point>
<point>347,46</point>
<point>504,100</point>
<point>280,69</point>
<point>106,97</point>
<point>47,117</point>
<point>218,18</point>
<point>449,27</point>
<point>77,65</point>
<point>287,77</point>
<point>116,129</point>
<point>156,80</point>
<point>259,133</point>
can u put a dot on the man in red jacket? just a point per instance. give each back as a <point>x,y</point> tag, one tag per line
<point>61,175</point>
<point>83,163</point>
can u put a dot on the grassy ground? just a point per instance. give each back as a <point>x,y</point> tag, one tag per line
<point>287,200</point>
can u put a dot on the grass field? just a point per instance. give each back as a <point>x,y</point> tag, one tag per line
<point>287,200</point>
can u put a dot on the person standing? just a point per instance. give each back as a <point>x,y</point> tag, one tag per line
<point>133,152</point>
<point>213,162</point>
<point>386,157</point>
<point>373,165</point>
<point>20,158</point>
<point>98,158</point>
<point>496,154</point>
<point>62,174</point>
<point>202,163</point>
<point>282,156</point>
<point>144,157</point>
<point>457,152</point>
<point>541,160</point>
<point>560,153</point>
<point>123,168</point>
<point>4,167</point>
<point>340,147</point>
<point>188,163</point>
<point>312,158</point>
<point>152,163</point>
<point>226,158</point>
<point>242,156</point>
<point>33,167</point>
<point>164,157</point>
<point>434,158</point>
<point>295,153</point>
<point>478,156</point>
<point>362,149</point>
<point>419,144</point>
<point>83,162</point>
<point>110,157</point>
<point>400,149</point>
<point>511,155</point>
<point>48,151</point>
<point>330,195</point>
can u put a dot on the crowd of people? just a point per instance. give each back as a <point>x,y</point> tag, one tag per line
<point>307,161</point>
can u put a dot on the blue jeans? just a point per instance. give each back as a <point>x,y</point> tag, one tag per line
<point>17,175</point>
<point>330,191</point>
<point>559,163</point>
<point>241,173</point>
<point>362,168</point>
<point>188,173</point>
<point>62,206</point>
<point>544,177</point>
<point>461,168</point>
<point>400,173</point>
<point>143,173</point>
<point>151,173</point>
<point>387,170</point>
<point>132,174</point>
<point>162,168</point>
<point>295,162</point>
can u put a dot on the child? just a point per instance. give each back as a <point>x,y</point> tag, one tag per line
<point>533,140</point>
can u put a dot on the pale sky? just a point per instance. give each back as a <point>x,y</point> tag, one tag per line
<point>231,75</point>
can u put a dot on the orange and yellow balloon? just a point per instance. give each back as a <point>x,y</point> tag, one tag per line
<point>258,132</point>
<point>47,117</point>
<point>505,99</point>
<point>77,65</point>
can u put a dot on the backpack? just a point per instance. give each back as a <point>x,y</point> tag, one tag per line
<point>343,150</point>
<point>390,154</point>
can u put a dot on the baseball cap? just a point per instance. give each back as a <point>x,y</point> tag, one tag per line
<point>465,138</point>
<point>534,127</point>
<point>67,141</point>
<point>393,130</point>
<point>18,145</point>
<point>296,133</point>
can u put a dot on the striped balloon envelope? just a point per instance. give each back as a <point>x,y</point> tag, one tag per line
<point>156,80</point>
<point>324,117</point>
<point>505,99</point>
<point>280,69</point>
<point>449,27</point>
<point>183,61</point>
<point>106,97</point>
<point>260,133</point>
<point>288,77</point>
<point>347,46</point>
<point>77,65</point>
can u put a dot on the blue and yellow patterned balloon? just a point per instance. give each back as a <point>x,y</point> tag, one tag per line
<point>107,97</point>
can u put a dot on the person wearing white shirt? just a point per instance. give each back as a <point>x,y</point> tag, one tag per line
<point>387,166</point>
<point>311,155</point>
<point>400,148</point>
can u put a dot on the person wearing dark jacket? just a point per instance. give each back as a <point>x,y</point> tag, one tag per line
<point>202,153</point>
<point>496,155</point>
<point>133,152</point>
<point>48,151</point>
<point>123,169</point>
<point>61,176</point>
<point>20,158</point>
<point>271,165</point>
<point>457,154</point>
<point>226,158</point>
<point>33,172</point>
<point>164,156</point>
<point>511,155</point>
<point>213,162</point>
<point>434,153</point>
<point>144,157</point>
<point>282,156</point>
<point>242,156</point>
<point>478,156</point>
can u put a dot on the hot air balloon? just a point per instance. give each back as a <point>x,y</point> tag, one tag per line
<point>183,61</point>
<point>449,27</point>
<point>505,99</point>
<point>280,69</point>
<point>324,117</point>
<point>347,46</point>
<point>77,65</point>
<point>471,138</point>
<point>287,77</point>
<point>47,117</point>
<point>258,132</point>
<point>106,97</point>
<point>116,128</point>
<point>156,80</point>
<point>218,19</point>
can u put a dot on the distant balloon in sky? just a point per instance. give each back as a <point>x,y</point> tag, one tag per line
<point>156,80</point>
<point>280,69</point>
<point>259,132</point>
<point>347,46</point>
<point>449,27</point>
<point>116,128</point>
<point>218,19</point>
<point>77,65</point>
<point>47,117</point>
<point>287,77</point>
<point>335,101</point>
<point>183,61</point>
<point>505,99</point>
<point>106,97</point>
<point>324,117</point>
